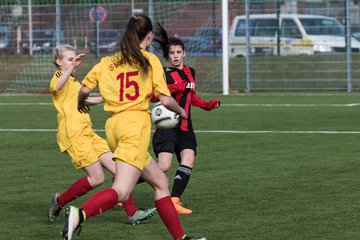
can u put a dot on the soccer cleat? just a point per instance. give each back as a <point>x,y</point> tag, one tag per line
<point>55,208</point>
<point>190,238</point>
<point>120,204</point>
<point>72,223</point>
<point>178,206</point>
<point>141,215</point>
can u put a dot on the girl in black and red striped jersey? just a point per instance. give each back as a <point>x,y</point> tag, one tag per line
<point>180,140</point>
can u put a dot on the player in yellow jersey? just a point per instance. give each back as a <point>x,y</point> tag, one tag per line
<point>126,81</point>
<point>76,138</point>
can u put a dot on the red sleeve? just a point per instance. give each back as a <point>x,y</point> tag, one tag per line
<point>199,102</point>
<point>177,87</point>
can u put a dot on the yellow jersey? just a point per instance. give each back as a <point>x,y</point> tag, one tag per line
<point>70,120</point>
<point>123,87</point>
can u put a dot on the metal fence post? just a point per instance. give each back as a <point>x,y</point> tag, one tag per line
<point>348,45</point>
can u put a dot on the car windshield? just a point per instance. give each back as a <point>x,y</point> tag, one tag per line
<point>322,26</point>
<point>264,27</point>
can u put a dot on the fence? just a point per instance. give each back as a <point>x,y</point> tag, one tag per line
<point>279,55</point>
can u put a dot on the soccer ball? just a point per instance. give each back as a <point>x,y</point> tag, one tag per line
<point>163,118</point>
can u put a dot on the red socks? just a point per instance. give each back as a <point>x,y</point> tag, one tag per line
<point>168,215</point>
<point>100,202</point>
<point>129,206</point>
<point>76,190</point>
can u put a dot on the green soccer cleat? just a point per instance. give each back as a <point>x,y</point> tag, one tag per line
<point>141,215</point>
<point>72,223</point>
<point>55,208</point>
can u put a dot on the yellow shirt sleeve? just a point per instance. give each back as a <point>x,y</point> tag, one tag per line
<point>91,79</point>
<point>159,81</point>
<point>53,82</point>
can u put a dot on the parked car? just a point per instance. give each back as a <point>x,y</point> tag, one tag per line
<point>7,40</point>
<point>299,35</point>
<point>43,40</point>
<point>356,35</point>
<point>109,40</point>
<point>214,36</point>
<point>4,38</point>
<point>196,46</point>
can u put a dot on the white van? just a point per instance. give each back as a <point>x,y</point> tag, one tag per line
<point>299,35</point>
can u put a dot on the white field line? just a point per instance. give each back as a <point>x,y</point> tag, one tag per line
<point>225,104</point>
<point>208,131</point>
<point>289,105</point>
<point>238,94</point>
<point>25,104</point>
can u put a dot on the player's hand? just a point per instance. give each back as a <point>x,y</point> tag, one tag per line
<point>82,108</point>
<point>183,114</point>
<point>77,60</point>
<point>214,103</point>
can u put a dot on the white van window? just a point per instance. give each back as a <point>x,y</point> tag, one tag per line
<point>265,27</point>
<point>321,26</point>
<point>290,29</point>
<point>240,28</point>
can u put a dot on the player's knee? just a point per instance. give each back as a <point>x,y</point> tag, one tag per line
<point>97,180</point>
<point>165,167</point>
<point>123,194</point>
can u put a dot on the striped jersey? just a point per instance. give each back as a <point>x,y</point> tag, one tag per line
<point>181,83</point>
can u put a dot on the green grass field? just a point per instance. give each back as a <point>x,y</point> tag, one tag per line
<point>283,166</point>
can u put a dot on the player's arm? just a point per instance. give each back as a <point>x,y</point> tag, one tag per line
<point>170,103</point>
<point>197,101</point>
<point>66,74</point>
<point>91,101</point>
<point>83,95</point>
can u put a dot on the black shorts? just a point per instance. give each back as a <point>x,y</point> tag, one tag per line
<point>173,141</point>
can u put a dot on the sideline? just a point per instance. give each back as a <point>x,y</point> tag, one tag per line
<point>206,131</point>
<point>225,104</point>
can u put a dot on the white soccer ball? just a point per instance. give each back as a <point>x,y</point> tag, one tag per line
<point>163,118</point>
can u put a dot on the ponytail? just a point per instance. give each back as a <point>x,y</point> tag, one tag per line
<point>137,29</point>
<point>163,42</point>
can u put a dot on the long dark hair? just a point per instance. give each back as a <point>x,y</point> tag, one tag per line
<point>136,30</point>
<point>163,42</point>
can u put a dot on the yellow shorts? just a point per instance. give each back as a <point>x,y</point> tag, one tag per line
<point>128,135</point>
<point>86,148</point>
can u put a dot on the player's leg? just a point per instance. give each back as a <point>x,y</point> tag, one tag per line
<point>185,151</point>
<point>158,180</point>
<point>181,179</point>
<point>183,173</point>
<point>165,160</point>
<point>84,157</point>
<point>135,215</point>
<point>164,147</point>
<point>125,180</point>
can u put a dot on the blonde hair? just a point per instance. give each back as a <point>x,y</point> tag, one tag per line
<point>58,52</point>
